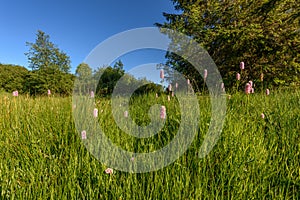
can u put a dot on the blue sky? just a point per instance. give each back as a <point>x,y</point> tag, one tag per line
<point>76,27</point>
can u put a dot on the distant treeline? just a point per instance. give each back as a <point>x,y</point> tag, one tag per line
<point>38,82</point>
<point>50,70</point>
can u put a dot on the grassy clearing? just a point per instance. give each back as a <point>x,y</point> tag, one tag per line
<point>42,156</point>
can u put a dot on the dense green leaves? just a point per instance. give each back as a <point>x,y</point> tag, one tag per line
<point>50,68</point>
<point>108,80</point>
<point>12,77</point>
<point>36,82</point>
<point>263,34</point>
<point>39,81</point>
<point>44,54</point>
<point>84,77</point>
<point>103,80</point>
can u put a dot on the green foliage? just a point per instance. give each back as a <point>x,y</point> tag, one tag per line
<point>44,54</point>
<point>84,77</point>
<point>263,34</point>
<point>119,65</point>
<point>50,68</point>
<point>12,78</point>
<point>35,82</point>
<point>111,76</point>
<point>108,80</point>
<point>104,79</point>
<point>39,81</point>
<point>147,88</point>
<point>101,80</point>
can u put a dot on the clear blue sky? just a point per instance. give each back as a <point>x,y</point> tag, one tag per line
<point>76,27</point>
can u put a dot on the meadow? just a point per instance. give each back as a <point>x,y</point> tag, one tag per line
<point>256,157</point>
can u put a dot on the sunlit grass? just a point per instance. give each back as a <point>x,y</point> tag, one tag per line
<point>42,156</point>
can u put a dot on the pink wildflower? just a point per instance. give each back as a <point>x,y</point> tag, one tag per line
<point>92,94</point>
<point>95,112</point>
<point>242,65</point>
<point>83,135</point>
<point>262,115</point>
<point>15,93</point>
<point>49,92</point>
<point>251,83</point>
<point>170,87</point>
<point>248,88</point>
<point>267,92</point>
<point>238,76</point>
<point>205,74</point>
<point>162,75</point>
<point>109,171</point>
<point>222,86</point>
<point>126,114</point>
<point>163,112</point>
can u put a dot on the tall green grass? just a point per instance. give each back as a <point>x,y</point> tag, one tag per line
<point>42,157</point>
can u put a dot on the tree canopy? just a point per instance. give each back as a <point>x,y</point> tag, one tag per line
<point>38,82</point>
<point>50,68</point>
<point>262,34</point>
<point>12,77</point>
<point>44,54</point>
<point>104,79</point>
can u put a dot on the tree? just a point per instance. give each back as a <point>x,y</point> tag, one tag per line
<point>108,80</point>
<point>44,54</point>
<point>119,65</point>
<point>84,77</point>
<point>50,68</point>
<point>39,81</point>
<point>12,77</point>
<point>263,34</point>
<point>105,78</point>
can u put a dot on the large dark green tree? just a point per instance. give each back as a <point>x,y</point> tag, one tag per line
<point>107,78</point>
<point>262,33</point>
<point>37,82</point>
<point>44,54</point>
